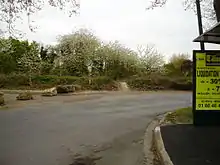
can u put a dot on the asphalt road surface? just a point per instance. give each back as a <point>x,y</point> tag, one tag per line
<point>112,126</point>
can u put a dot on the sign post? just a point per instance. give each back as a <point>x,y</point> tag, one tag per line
<point>199,17</point>
<point>206,87</point>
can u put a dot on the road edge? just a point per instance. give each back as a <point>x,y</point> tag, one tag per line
<point>159,144</point>
<point>148,140</point>
<point>5,91</point>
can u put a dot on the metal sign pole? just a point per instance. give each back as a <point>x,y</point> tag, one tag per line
<point>199,16</point>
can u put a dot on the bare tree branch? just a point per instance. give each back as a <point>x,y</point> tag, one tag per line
<point>12,10</point>
<point>206,6</point>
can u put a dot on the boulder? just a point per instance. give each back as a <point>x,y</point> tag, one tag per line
<point>50,92</point>
<point>2,101</point>
<point>25,96</point>
<point>66,88</point>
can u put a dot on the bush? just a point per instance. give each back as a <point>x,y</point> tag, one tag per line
<point>13,80</point>
<point>3,80</point>
<point>163,81</point>
<point>181,83</point>
<point>141,83</point>
<point>18,79</point>
<point>102,83</point>
<point>160,82</point>
<point>2,101</point>
<point>48,81</point>
<point>181,86</point>
<point>44,80</point>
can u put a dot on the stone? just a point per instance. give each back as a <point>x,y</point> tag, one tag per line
<point>50,92</point>
<point>66,88</point>
<point>25,96</point>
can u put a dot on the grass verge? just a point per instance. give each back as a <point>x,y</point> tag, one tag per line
<point>183,115</point>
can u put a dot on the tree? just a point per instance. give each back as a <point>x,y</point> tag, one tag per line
<point>186,67</point>
<point>7,63</point>
<point>43,53</point>
<point>30,62</point>
<point>207,6</point>
<point>119,61</point>
<point>12,10</point>
<point>150,58</point>
<point>179,65</point>
<point>78,50</point>
<point>13,49</point>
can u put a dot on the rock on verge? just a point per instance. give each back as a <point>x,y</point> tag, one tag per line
<point>50,92</point>
<point>66,88</point>
<point>25,96</point>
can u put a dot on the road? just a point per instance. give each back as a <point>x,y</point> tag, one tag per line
<point>51,133</point>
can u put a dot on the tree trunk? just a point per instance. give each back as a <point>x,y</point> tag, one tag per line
<point>30,81</point>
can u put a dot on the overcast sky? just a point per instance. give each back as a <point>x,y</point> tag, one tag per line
<point>170,28</point>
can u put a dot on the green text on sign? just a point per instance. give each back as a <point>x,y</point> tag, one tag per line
<point>207,81</point>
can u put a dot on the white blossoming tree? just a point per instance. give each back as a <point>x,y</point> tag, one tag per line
<point>30,62</point>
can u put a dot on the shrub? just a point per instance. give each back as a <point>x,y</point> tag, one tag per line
<point>181,86</point>
<point>102,83</point>
<point>51,80</point>
<point>13,80</point>
<point>69,80</point>
<point>18,79</point>
<point>163,81</point>
<point>159,82</point>
<point>140,83</point>
<point>3,80</point>
<point>44,80</point>
<point>48,81</point>
<point>2,101</point>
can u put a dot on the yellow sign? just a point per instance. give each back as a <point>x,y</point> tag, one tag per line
<point>207,81</point>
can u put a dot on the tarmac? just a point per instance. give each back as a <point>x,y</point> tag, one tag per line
<point>51,131</point>
<point>190,145</point>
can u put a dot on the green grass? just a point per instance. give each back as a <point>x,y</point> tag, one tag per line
<point>183,115</point>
